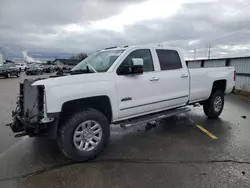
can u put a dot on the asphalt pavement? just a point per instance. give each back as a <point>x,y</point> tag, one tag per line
<point>187,150</point>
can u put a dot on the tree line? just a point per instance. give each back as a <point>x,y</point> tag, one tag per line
<point>80,56</point>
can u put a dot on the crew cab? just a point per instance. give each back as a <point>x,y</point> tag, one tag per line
<point>123,85</point>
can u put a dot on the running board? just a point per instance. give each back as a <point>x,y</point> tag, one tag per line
<point>152,117</point>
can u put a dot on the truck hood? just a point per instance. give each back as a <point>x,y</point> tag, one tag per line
<point>74,79</point>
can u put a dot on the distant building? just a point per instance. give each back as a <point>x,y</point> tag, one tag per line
<point>9,61</point>
<point>65,62</point>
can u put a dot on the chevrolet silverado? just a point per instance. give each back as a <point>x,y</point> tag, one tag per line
<point>123,85</point>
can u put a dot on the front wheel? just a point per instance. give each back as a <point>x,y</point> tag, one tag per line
<point>17,74</point>
<point>214,105</point>
<point>84,135</point>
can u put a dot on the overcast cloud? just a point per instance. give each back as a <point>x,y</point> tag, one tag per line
<point>61,27</point>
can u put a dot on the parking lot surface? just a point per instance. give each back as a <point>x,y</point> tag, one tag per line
<point>188,150</point>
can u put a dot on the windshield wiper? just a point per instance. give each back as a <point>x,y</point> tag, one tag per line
<point>83,71</point>
<point>79,71</point>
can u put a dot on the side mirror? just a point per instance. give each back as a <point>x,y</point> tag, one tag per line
<point>137,61</point>
<point>135,68</point>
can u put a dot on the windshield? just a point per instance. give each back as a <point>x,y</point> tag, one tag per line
<point>100,61</point>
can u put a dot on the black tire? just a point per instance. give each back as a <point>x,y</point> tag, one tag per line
<point>209,106</point>
<point>66,132</point>
<point>7,75</point>
<point>17,74</point>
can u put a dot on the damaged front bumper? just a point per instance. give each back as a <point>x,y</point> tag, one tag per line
<point>29,117</point>
<point>19,125</point>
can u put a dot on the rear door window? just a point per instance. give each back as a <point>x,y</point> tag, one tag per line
<point>169,59</point>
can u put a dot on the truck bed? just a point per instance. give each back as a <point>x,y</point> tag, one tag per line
<point>202,79</point>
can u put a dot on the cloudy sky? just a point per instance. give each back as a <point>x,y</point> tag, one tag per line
<point>60,28</point>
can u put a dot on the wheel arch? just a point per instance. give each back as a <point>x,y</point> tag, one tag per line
<point>100,103</point>
<point>219,85</point>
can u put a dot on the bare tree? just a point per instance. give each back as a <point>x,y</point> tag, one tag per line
<point>80,56</point>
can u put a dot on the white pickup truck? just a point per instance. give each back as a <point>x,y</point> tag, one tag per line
<point>21,66</point>
<point>123,85</point>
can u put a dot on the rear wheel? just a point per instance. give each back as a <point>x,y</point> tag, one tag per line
<point>214,105</point>
<point>84,135</point>
<point>17,74</point>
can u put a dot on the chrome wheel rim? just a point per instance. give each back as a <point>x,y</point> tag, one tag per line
<point>217,103</point>
<point>87,135</point>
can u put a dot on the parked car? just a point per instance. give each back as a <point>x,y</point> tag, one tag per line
<point>125,86</point>
<point>34,70</point>
<point>21,66</point>
<point>58,68</point>
<point>7,71</point>
<point>48,68</point>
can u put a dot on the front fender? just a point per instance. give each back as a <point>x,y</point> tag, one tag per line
<point>57,95</point>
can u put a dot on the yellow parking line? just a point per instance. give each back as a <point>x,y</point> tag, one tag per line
<point>207,132</point>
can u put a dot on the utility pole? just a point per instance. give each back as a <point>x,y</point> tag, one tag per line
<point>194,54</point>
<point>209,51</point>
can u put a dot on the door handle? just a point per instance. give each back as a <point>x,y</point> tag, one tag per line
<point>184,76</point>
<point>154,79</point>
